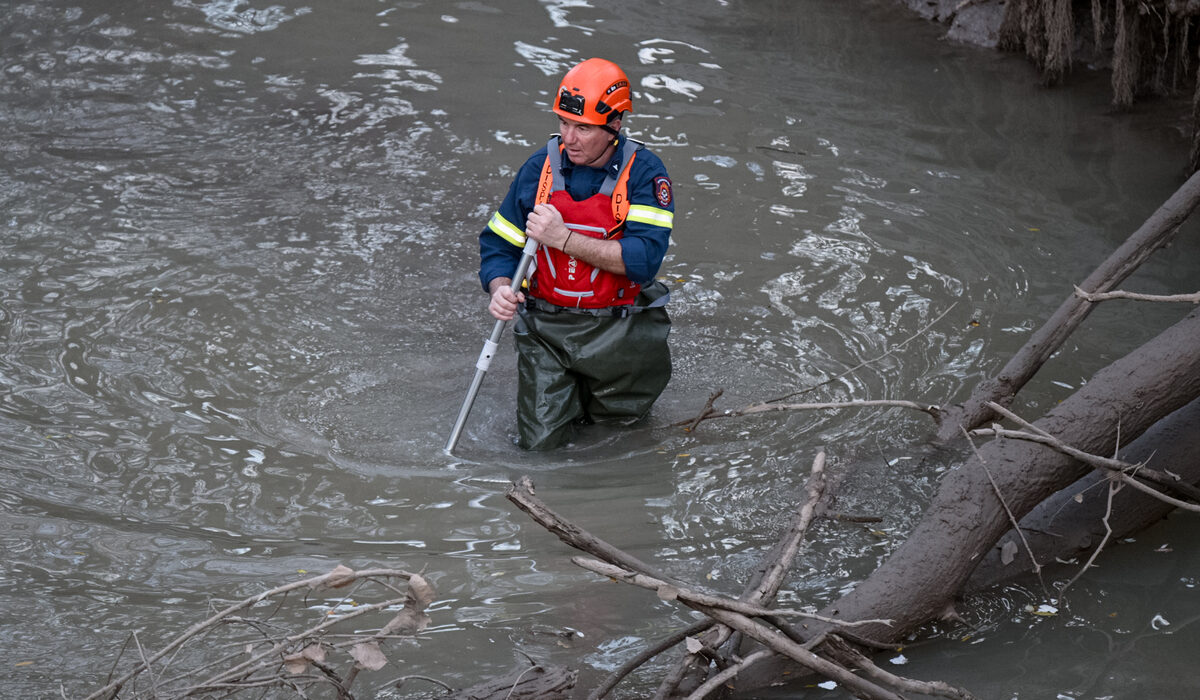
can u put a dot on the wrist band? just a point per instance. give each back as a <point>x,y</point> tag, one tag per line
<point>564,245</point>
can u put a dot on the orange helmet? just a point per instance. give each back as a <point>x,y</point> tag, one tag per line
<point>594,92</point>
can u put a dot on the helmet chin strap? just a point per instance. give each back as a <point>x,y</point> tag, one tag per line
<point>616,133</point>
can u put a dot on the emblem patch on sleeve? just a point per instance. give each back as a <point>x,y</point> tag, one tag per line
<point>662,190</point>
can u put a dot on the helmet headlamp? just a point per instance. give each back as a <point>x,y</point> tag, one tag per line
<point>570,102</point>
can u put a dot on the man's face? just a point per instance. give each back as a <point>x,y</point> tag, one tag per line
<point>586,144</point>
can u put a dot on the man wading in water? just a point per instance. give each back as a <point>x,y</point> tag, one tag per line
<point>591,330</point>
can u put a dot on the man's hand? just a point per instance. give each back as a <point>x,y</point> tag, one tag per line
<point>545,225</point>
<point>503,305</point>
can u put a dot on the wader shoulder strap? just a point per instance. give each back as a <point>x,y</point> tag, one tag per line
<point>610,182</point>
<point>551,179</point>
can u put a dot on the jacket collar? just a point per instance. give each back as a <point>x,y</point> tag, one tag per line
<point>613,167</point>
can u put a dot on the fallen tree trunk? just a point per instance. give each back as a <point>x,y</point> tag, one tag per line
<point>1062,527</point>
<point>920,580</point>
<point>1156,232</point>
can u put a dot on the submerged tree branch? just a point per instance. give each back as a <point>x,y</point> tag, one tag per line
<point>630,666</point>
<point>865,363</point>
<point>708,412</point>
<point>756,408</point>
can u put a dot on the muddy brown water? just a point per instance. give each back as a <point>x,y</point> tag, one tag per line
<point>239,308</point>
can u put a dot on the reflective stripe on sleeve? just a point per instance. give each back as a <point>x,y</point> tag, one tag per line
<point>502,228</point>
<point>651,215</point>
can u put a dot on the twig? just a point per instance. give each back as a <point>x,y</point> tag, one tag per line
<point>772,578</point>
<point>337,576</point>
<point>767,407</point>
<point>1161,478</point>
<point>1037,568</point>
<point>762,589</point>
<point>931,409</point>
<point>518,681</point>
<point>117,660</point>
<point>254,662</point>
<point>630,666</point>
<point>934,688</point>
<point>782,645</point>
<point>521,493</point>
<point>154,677</point>
<point>1114,467</point>
<point>704,412</point>
<point>668,591</point>
<point>400,681</point>
<point>864,363</point>
<point>715,681</point>
<point>1106,296</point>
<point>708,411</point>
<point>1113,487</point>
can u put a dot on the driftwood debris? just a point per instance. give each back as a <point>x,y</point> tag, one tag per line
<point>265,655</point>
<point>814,643</point>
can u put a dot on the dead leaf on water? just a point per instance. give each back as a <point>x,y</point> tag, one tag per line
<point>338,577</point>
<point>368,655</point>
<point>298,663</point>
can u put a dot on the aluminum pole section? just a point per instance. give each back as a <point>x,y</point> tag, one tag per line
<point>489,346</point>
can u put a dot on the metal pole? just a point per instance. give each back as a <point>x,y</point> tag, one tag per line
<point>489,347</point>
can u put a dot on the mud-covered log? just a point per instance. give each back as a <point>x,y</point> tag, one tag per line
<point>1070,523</point>
<point>920,580</point>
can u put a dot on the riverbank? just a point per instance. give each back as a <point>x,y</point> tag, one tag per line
<point>975,23</point>
<point>1148,63</point>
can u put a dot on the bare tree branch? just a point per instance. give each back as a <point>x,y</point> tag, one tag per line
<point>1113,487</point>
<point>715,681</point>
<point>773,573</point>
<point>708,412</point>
<point>1106,296</point>
<point>865,363</point>
<point>756,408</point>
<point>628,667</point>
<point>763,588</point>
<point>521,493</point>
<point>668,591</point>
<point>891,680</point>
<point>338,577</point>
<point>1120,470</point>
<point>777,641</point>
<point>1037,568</point>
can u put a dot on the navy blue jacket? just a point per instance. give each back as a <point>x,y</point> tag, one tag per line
<point>643,244</point>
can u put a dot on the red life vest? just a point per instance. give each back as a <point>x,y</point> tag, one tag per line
<point>567,281</point>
